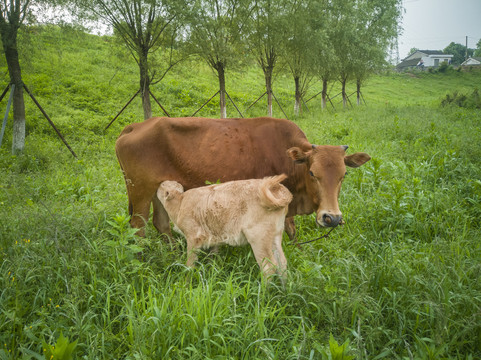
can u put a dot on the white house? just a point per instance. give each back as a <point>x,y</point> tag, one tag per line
<point>425,58</point>
<point>472,61</point>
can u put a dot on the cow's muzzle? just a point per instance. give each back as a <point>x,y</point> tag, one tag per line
<point>330,220</point>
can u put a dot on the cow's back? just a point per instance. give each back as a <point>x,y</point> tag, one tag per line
<point>195,150</point>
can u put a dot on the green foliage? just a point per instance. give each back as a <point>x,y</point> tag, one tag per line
<point>477,52</point>
<point>62,350</point>
<point>470,101</point>
<point>123,243</point>
<point>400,280</point>
<point>459,52</point>
<point>339,352</point>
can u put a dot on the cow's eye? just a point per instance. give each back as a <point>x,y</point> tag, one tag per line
<point>311,173</point>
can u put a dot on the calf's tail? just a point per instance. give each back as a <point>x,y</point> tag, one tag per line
<point>273,194</point>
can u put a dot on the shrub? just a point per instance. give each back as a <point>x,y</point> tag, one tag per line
<point>472,101</point>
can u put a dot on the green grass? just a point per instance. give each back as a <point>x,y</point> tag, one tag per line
<point>399,281</point>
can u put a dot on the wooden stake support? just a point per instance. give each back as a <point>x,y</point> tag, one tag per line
<point>39,107</point>
<point>157,101</point>
<point>120,112</point>
<point>50,121</point>
<point>277,101</point>
<point>233,103</point>
<point>128,103</point>
<point>7,111</point>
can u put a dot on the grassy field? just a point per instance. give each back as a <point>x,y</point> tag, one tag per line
<point>399,281</point>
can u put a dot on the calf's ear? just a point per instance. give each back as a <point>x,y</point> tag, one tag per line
<point>357,159</point>
<point>297,155</point>
<point>164,194</point>
<point>159,193</point>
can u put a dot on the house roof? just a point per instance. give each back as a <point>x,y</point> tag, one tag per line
<point>478,59</point>
<point>407,63</point>
<point>432,52</point>
<point>419,54</point>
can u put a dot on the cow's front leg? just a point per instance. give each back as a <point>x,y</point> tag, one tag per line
<point>139,213</point>
<point>290,228</point>
<point>160,218</point>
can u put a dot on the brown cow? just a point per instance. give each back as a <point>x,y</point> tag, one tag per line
<point>195,150</point>
<point>234,213</point>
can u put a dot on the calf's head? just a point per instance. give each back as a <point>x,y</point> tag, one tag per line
<point>169,191</point>
<point>325,168</point>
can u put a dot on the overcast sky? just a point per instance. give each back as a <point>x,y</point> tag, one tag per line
<point>434,24</point>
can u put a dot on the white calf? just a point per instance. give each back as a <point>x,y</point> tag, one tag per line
<point>234,213</point>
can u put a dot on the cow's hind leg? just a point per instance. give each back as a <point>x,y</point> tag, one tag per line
<point>161,218</point>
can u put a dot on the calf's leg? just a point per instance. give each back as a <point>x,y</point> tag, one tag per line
<point>193,244</point>
<point>262,246</point>
<point>280,257</point>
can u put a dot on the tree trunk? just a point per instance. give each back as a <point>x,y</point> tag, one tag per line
<point>9,38</point>
<point>297,103</point>
<point>358,90</point>
<point>268,77</point>
<point>145,86</point>
<point>343,91</point>
<point>221,74</point>
<point>324,94</point>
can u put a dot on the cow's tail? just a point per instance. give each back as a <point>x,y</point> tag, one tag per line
<point>273,194</point>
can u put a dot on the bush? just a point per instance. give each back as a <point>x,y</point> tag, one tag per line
<point>472,101</point>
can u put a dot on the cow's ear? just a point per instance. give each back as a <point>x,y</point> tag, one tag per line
<point>357,159</point>
<point>297,155</point>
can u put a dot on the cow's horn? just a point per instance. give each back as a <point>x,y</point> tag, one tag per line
<point>314,146</point>
<point>345,147</point>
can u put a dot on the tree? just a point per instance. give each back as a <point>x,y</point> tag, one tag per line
<point>324,57</point>
<point>477,52</point>
<point>144,26</point>
<point>412,51</point>
<point>297,49</point>
<point>215,30</point>
<point>12,16</point>
<point>459,52</point>
<point>265,40</point>
<point>344,38</point>
<point>363,32</point>
<point>377,29</point>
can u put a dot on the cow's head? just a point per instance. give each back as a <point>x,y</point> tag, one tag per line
<point>325,168</point>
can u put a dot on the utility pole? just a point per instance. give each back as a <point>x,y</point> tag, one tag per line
<point>466,48</point>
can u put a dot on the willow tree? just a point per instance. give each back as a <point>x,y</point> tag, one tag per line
<point>145,26</point>
<point>12,17</point>
<point>324,59</point>
<point>378,29</point>
<point>362,33</point>
<point>297,46</point>
<point>215,32</point>
<point>265,39</point>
